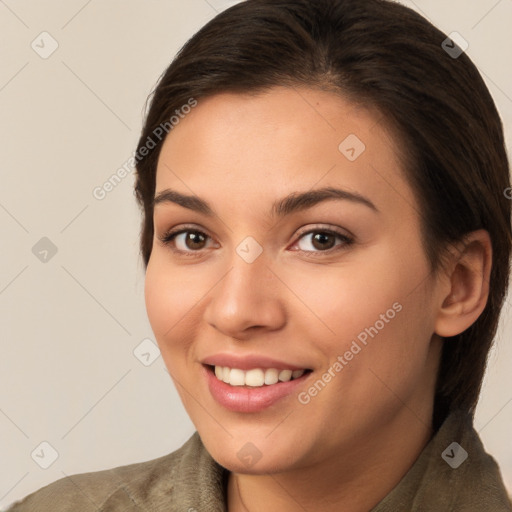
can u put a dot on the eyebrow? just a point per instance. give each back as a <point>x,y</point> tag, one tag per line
<point>292,203</point>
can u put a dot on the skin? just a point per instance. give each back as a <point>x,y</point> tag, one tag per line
<point>354,440</point>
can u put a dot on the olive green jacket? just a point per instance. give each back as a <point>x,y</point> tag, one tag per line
<point>188,480</point>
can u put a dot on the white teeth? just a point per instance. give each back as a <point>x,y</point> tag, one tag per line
<point>236,377</point>
<point>255,377</point>
<point>285,375</point>
<point>271,376</point>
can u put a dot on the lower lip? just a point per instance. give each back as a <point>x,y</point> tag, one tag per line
<point>247,399</point>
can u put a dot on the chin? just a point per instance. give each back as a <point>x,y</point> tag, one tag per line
<point>253,455</point>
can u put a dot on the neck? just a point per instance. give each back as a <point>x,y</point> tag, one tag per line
<point>358,478</point>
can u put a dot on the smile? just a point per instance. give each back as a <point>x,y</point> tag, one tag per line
<point>256,377</point>
<point>253,389</point>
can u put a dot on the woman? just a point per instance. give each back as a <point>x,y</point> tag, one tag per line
<point>327,240</point>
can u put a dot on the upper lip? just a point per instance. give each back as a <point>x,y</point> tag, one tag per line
<point>249,362</point>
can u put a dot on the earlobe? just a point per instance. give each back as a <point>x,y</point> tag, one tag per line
<point>465,296</point>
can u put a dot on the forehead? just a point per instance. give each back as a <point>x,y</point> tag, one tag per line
<point>282,139</point>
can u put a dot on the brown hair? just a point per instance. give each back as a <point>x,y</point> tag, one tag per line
<point>384,55</point>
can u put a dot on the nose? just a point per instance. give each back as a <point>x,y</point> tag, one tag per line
<point>249,298</point>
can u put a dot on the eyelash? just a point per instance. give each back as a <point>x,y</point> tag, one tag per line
<point>168,237</point>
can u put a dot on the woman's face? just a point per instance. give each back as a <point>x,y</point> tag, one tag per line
<point>264,281</point>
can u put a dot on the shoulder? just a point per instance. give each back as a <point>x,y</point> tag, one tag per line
<point>134,487</point>
<point>452,473</point>
<point>460,474</point>
<point>481,485</point>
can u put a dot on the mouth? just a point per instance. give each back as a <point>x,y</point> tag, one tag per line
<point>255,377</point>
<point>255,389</point>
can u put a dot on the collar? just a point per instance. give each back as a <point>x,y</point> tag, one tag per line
<point>453,472</point>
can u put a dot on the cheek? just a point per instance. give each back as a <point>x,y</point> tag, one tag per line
<point>171,301</point>
<point>159,299</point>
<point>384,327</point>
<point>381,304</point>
<point>352,297</point>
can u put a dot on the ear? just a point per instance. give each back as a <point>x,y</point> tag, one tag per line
<point>466,289</point>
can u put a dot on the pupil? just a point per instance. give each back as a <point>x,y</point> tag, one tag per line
<point>322,238</point>
<point>195,238</point>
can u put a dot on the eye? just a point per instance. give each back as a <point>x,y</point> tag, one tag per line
<point>185,241</point>
<point>322,240</point>
<point>190,242</point>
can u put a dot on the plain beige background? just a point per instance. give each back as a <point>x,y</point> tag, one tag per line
<point>72,323</point>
